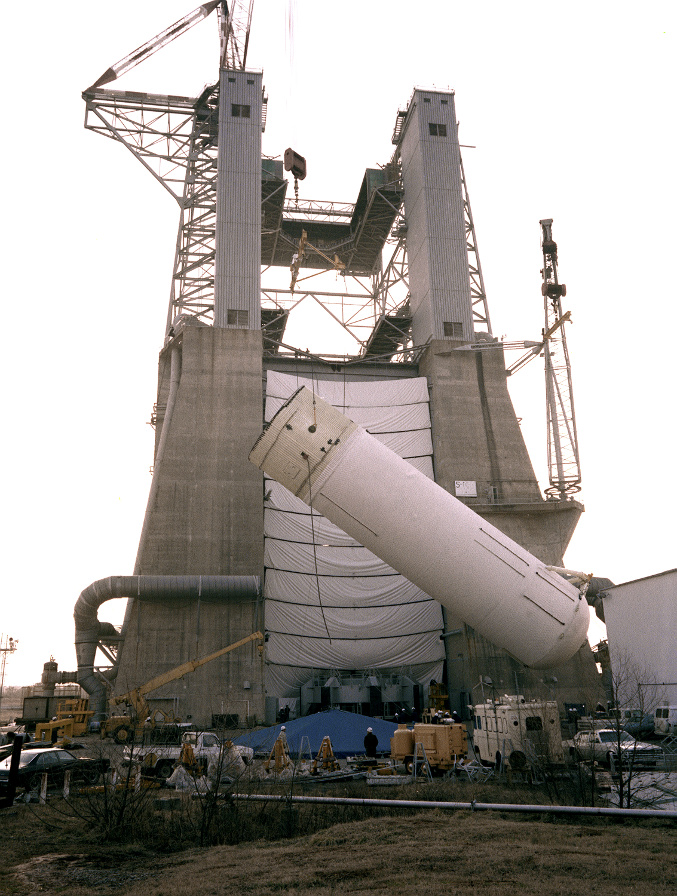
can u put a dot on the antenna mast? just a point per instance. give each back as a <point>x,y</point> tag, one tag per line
<point>7,645</point>
<point>563,459</point>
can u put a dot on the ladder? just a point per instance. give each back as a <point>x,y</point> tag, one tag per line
<point>423,760</point>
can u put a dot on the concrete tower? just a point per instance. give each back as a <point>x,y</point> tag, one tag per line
<point>433,201</point>
<point>204,514</point>
<point>479,451</point>
<point>237,267</point>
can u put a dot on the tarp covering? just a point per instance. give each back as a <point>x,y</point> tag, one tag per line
<point>331,603</point>
<point>346,730</point>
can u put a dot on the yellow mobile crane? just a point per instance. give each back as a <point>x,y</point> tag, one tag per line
<point>125,728</point>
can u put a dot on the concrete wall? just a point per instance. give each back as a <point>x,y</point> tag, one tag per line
<point>476,435</point>
<point>205,518</point>
<point>477,438</point>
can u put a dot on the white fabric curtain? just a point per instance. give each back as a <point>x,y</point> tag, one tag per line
<point>329,602</point>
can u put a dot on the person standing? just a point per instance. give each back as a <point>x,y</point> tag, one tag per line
<point>370,744</point>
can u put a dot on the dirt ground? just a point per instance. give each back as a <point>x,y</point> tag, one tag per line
<point>431,852</point>
<point>61,848</point>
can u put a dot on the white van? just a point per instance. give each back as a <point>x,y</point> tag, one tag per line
<point>666,720</point>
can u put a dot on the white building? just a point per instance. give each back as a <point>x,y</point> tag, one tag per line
<point>641,621</point>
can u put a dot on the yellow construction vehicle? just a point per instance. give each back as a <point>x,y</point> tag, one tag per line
<point>71,720</point>
<point>127,728</point>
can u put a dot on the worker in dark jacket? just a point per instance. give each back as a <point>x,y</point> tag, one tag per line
<point>370,743</point>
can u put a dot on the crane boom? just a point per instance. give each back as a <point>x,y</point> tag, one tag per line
<point>156,43</point>
<point>135,696</point>
<point>235,19</point>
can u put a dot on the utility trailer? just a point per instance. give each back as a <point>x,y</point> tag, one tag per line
<point>666,720</point>
<point>443,745</point>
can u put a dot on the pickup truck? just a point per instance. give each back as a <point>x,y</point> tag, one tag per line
<point>160,759</point>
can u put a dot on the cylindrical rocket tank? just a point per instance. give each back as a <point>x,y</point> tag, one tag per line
<point>479,574</point>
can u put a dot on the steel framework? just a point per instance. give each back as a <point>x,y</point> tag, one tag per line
<point>176,139</point>
<point>478,295</point>
<point>563,458</point>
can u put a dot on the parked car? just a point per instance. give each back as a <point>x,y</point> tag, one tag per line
<point>56,762</point>
<point>603,746</point>
<point>638,724</point>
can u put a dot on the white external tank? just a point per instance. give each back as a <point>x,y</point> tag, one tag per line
<point>423,532</point>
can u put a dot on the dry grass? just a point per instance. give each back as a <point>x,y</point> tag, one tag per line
<point>339,851</point>
<point>432,854</point>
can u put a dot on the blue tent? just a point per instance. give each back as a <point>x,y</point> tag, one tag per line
<point>346,731</point>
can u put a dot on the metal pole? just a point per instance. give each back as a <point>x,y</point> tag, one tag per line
<point>6,646</point>
<point>473,806</point>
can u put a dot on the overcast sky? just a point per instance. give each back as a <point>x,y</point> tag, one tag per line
<point>570,106</point>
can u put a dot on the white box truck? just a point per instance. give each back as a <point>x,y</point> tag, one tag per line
<point>521,732</point>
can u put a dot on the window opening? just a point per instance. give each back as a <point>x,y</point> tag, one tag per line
<point>453,329</point>
<point>237,318</point>
<point>534,723</point>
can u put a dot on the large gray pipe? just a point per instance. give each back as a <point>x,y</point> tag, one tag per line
<point>89,630</point>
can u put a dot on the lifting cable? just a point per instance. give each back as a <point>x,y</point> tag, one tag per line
<point>310,504</point>
<point>312,529</point>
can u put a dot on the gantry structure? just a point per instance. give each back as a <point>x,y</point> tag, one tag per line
<point>398,272</point>
<point>177,138</point>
